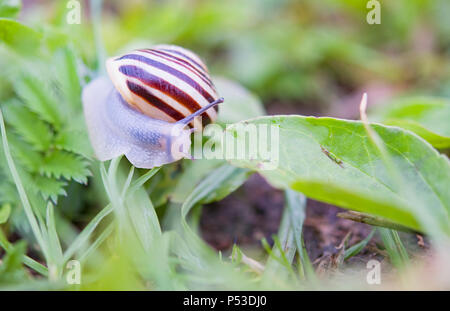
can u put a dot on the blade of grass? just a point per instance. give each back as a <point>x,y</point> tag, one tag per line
<point>112,178</point>
<point>296,204</point>
<point>100,239</point>
<point>236,254</point>
<point>286,243</point>
<point>207,186</point>
<point>143,218</point>
<point>273,272</point>
<point>238,257</point>
<point>270,251</point>
<point>400,247</point>
<point>36,266</point>
<point>54,243</point>
<point>134,210</point>
<point>283,250</point>
<point>307,269</point>
<point>290,233</point>
<point>279,263</point>
<point>394,247</point>
<point>109,179</point>
<point>22,193</point>
<point>142,180</point>
<point>286,252</point>
<point>291,237</point>
<point>196,257</point>
<point>128,181</point>
<point>86,233</point>
<point>104,175</point>
<point>358,247</point>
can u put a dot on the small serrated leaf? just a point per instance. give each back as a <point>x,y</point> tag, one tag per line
<point>50,187</point>
<point>74,141</point>
<point>38,97</point>
<point>27,156</point>
<point>65,164</point>
<point>28,125</point>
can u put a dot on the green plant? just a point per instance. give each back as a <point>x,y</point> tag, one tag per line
<point>136,229</point>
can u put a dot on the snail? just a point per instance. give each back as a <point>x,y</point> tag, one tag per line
<point>148,105</point>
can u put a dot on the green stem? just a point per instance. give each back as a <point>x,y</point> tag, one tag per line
<point>373,220</point>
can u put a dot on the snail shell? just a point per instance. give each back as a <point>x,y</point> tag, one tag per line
<point>143,109</point>
<point>164,82</point>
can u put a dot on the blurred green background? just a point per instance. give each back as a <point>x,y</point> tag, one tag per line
<point>308,57</point>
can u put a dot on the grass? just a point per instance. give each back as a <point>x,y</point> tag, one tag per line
<point>126,227</point>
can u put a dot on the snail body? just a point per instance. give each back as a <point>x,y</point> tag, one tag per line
<point>145,107</point>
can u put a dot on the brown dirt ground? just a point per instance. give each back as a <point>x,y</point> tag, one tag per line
<point>254,212</point>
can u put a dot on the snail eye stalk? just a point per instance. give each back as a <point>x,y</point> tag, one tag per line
<point>200,111</point>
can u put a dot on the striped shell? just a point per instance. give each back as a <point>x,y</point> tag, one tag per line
<point>142,110</point>
<point>164,82</point>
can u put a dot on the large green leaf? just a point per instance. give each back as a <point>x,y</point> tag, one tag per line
<point>428,117</point>
<point>334,161</point>
<point>19,37</point>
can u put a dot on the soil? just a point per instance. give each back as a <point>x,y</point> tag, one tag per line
<point>254,212</point>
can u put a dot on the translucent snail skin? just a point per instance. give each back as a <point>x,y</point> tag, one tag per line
<point>147,106</point>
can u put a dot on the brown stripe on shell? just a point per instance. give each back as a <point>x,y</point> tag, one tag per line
<point>163,86</point>
<point>140,91</point>
<point>180,75</point>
